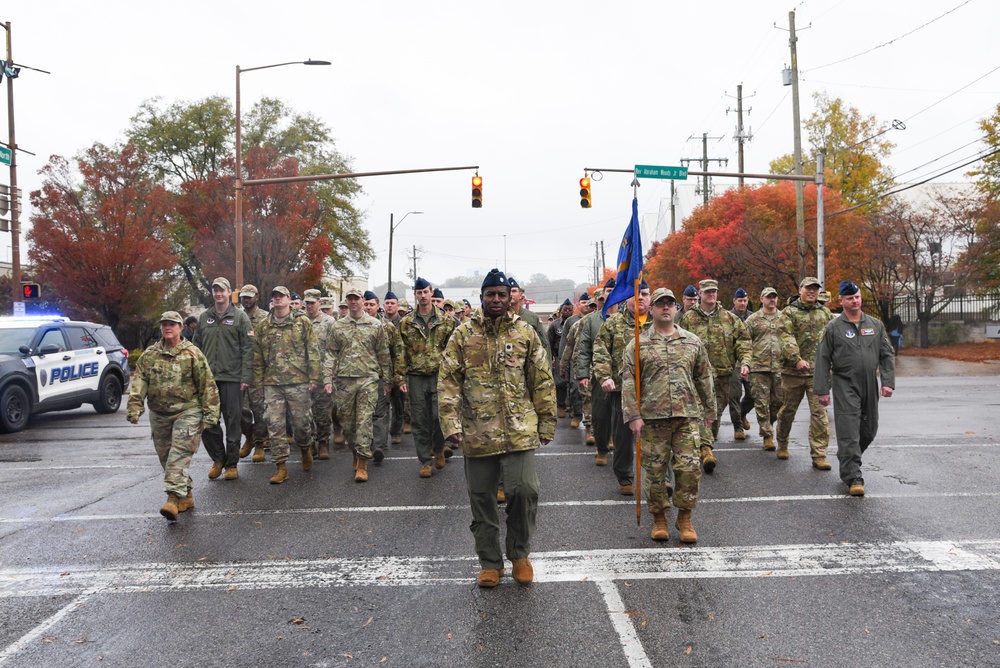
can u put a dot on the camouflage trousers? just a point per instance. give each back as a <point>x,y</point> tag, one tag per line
<point>322,417</point>
<point>396,403</point>
<point>710,435</point>
<point>380,421</point>
<point>294,398</point>
<point>660,439</point>
<point>176,438</point>
<point>585,396</point>
<point>356,399</point>
<point>252,419</point>
<point>793,388</point>
<point>765,386</point>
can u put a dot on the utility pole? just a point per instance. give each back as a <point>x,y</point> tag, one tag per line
<point>704,163</point>
<point>603,263</point>
<point>741,137</point>
<point>800,214</point>
<point>15,202</point>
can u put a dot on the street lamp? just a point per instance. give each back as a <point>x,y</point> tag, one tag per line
<point>392,228</point>
<point>239,161</point>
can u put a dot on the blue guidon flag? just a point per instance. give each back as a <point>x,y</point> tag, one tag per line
<point>629,263</point>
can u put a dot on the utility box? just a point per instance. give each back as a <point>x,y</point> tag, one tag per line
<point>993,331</point>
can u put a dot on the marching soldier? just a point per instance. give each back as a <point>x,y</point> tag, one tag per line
<point>583,371</point>
<point>252,424</point>
<point>380,428</point>
<point>740,397</point>
<point>766,355</point>
<point>322,403</point>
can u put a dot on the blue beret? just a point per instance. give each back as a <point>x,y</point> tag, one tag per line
<point>370,295</point>
<point>849,288</point>
<point>690,291</point>
<point>512,282</point>
<point>421,284</point>
<point>390,295</point>
<point>437,294</point>
<point>567,303</point>
<point>495,278</point>
<point>609,284</point>
<point>740,293</point>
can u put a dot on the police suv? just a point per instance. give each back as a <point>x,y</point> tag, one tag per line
<point>53,364</point>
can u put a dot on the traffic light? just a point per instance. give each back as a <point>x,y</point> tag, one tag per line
<point>585,192</point>
<point>477,192</point>
<point>31,291</point>
<point>4,199</point>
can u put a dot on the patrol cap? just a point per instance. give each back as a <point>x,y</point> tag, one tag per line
<point>810,280</point>
<point>661,294</point>
<point>740,293</point>
<point>708,284</point>
<point>824,297</point>
<point>768,291</point>
<point>354,292</point>
<point>599,293</point>
<point>390,295</point>
<point>448,302</point>
<point>172,316</point>
<point>311,296</point>
<point>420,283</point>
<point>690,291</point>
<point>437,294</point>
<point>248,291</point>
<point>281,290</point>
<point>369,295</point>
<point>222,282</point>
<point>342,305</point>
<point>403,304</point>
<point>326,302</point>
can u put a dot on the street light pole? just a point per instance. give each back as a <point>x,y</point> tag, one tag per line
<point>238,183</point>
<point>392,228</point>
<point>15,203</point>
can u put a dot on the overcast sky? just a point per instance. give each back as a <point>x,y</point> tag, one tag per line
<point>532,92</point>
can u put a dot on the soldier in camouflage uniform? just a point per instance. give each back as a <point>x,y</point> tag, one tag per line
<point>174,377</point>
<point>252,424</point>
<point>380,428</point>
<point>424,334</point>
<point>497,399</point>
<point>728,345</point>
<point>519,308</point>
<point>322,403</point>
<point>764,327</point>
<point>396,397</point>
<point>286,363</point>
<point>573,399</point>
<point>583,370</point>
<point>609,347</point>
<point>676,382</point>
<point>802,326</point>
<point>740,395</point>
<point>356,365</point>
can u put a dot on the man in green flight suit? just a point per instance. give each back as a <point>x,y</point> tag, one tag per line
<point>856,352</point>
<point>498,401</point>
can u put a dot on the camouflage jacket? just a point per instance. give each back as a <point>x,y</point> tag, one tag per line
<point>614,335</point>
<point>322,323</point>
<point>358,348</point>
<point>724,335</point>
<point>495,387</point>
<point>532,319</point>
<point>174,380</point>
<point>801,330</point>
<point>583,353</point>
<point>768,348</point>
<point>422,349</point>
<point>258,316</point>
<point>566,359</point>
<point>286,353</point>
<point>395,350</point>
<point>676,377</point>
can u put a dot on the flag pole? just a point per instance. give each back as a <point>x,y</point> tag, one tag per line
<point>638,403</point>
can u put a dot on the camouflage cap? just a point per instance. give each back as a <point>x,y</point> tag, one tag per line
<point>824,297</point>
<point>311,295</point>
<point>222,282</point>
<point>248,291</point>
<point>599,293</point>
<point>768,291</point>
<point>355,292</point>
<point>810,280</point>
<point>448,302</point>
<point>662,293</point>
<point>326,302</point>
<point>172,316</point>
<point>342,305</point>
<point>403,304</point>
<point>708,284</point>
<point>281,290</point>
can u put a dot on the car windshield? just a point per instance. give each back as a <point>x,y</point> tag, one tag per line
<point>14,338</point>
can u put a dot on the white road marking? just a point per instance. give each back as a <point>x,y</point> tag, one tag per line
<point>622,623</point>
<point>36,632</point>
<point>550,567</point>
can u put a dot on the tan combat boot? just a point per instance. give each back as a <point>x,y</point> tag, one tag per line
<point>247,447</point>
<point>324,451</point>
<point>258,453</point>
<point>307,458</point>
<point>354,463</point>
<point>708,460</point>
<point>740,435</point>
<point>782,451</point>
<point>426,470</point>
<point>361,474</point>
<point>215,471</point>
<point>661,530</point>
<point>501,497</point>
<point>590,437</point>
<point>338,436</point>
<point>170,509</point>
<point>523,572</point>
<point>575,422</point>
<point>281,475</point>
<point>407,428</point>
<point>231,473</point>
<point>684,525</point>
<point>769,443</point>
<point>439,460</point>
<point>601,459</point>
<point>821,464</point>
<point>186,503</point>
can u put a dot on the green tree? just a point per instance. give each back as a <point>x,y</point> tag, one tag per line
<point>988,175</point>
<point>855,147</point>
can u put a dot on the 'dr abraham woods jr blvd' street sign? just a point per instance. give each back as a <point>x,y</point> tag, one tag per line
<point>660,172</point>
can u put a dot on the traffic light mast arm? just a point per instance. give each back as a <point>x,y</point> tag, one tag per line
<point>353,175</point>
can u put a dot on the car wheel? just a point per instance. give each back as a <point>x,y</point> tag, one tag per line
<point>111,395</point>
<point>15,409</point>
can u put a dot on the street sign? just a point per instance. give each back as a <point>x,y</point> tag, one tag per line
<point>4,155</point>
<point>657,172</point>
<point>18,309</point>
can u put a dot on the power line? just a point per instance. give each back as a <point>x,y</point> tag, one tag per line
<point>953,93</point>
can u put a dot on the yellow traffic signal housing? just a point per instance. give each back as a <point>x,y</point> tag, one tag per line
<point>477,192</point>
<point>585,201</point>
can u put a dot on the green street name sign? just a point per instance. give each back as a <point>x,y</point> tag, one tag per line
<point>4,155</point>
<point>658,172</point>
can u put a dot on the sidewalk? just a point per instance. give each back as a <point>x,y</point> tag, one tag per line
<point>908,365</point>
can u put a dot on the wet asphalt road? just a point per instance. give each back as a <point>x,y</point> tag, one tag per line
<point>320,571</point>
